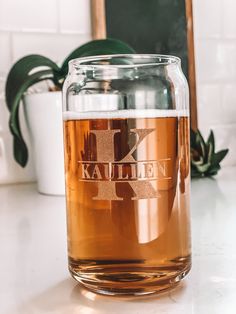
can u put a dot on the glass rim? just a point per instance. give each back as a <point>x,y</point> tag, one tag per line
<point>161,60</point>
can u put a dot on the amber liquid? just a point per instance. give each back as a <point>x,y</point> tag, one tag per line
<point>133,242</point>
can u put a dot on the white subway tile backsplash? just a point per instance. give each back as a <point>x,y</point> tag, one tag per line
<point>28,15</point>
<point>5,52</point>
<point>28,27</point>
<point>228,17</point>
<point>209,105</point>
<point>226,58</point>
<point>3,160</point>
<point>56,27</point>
<point>12,171</point>
<point>226,138</point>
<point>208,64</point>
<point>215,50</point>
<point>207,18</point>
<point>228,112</point>
<point>74,16</point>
<point>4,115</point>
<point>54,46</point>
<point>215,60</point>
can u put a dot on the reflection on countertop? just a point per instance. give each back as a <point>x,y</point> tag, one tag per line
<point>34,272</point>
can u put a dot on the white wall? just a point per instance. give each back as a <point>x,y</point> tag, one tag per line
<point>215,48</point>
<point>55,27</point>
<point>49,27</point>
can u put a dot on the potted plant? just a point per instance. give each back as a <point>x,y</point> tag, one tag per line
<point>205,162</point>
<point>43,110</point>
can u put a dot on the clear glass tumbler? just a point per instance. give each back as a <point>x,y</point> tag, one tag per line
<point>126,139</point>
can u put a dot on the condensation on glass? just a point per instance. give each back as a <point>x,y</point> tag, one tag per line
<point>126,139</point>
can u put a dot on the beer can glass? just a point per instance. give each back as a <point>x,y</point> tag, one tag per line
<point>126,140</point>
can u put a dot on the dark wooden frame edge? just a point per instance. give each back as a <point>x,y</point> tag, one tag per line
<point>98,17</point>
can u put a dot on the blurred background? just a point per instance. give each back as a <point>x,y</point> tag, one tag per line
<point>55,27</point>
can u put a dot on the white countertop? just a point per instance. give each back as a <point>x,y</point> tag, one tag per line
<point>33,260</point>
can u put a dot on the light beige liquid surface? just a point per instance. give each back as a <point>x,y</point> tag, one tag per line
<point>128,211</point>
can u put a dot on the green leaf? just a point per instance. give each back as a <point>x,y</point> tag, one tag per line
<point>195,173</point>
<point>98,47</point>
<point>219,156</point>
<point>20,72</point>
<point>212,173</point>
<point>204,160</point>
<point>31,69</point>
<point>213,170</point>
<point>20,148</point>
<point>210,147</point>
<point>211,140</point>
<point>202,148</point>
<point>210,152</point>
<point>203,168</point>
<point>18,81</point>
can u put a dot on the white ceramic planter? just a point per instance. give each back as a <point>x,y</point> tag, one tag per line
<point>44,116</point>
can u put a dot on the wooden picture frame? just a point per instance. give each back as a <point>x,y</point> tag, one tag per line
<point>99,31</point>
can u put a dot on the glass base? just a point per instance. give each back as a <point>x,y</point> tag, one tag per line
<point>127,282</point>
